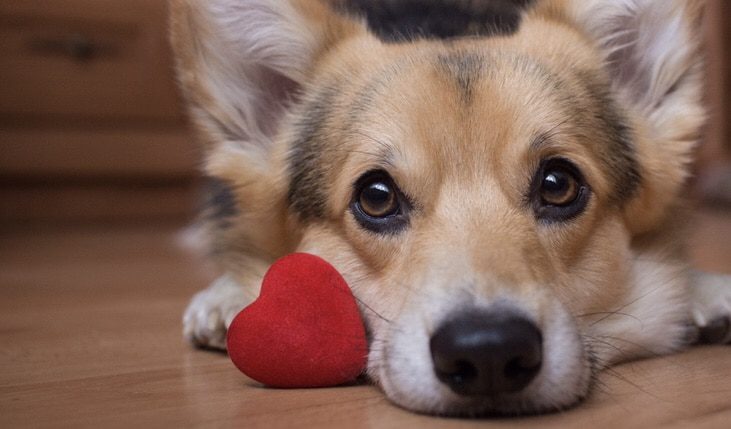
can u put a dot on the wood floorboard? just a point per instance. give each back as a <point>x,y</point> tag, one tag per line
<point>90,334</point>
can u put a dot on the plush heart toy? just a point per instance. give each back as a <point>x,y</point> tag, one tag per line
<point>304,330</point>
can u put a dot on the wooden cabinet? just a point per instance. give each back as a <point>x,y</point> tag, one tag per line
<point>91,59</point>
<point>717,144</point>
<point>88,102</point>
<point>713,173</point>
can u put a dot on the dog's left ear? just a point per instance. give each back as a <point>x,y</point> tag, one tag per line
<point>652,52</point>
<point>241,63</point>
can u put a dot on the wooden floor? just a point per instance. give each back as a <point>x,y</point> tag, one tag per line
<point>90,337</point>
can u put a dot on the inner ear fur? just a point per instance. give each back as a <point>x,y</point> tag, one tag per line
<point>241,64</point>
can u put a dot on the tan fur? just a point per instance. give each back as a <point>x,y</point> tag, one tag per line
<point>588,283</point>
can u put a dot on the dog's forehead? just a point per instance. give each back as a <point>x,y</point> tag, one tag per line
<point>464,103</point>
<point>455,102</point>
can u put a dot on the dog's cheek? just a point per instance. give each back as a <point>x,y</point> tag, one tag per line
<point>598,277</point>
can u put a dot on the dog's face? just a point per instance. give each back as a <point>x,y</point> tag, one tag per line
<point>494,202</point>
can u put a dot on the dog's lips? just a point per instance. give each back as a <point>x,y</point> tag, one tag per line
<point>500,405</point>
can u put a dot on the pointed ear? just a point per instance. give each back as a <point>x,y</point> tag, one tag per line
<point>652,52</point>
<point>240,63</point>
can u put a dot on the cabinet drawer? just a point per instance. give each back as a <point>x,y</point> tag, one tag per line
<point>88,59</point>
<point>97,154</point>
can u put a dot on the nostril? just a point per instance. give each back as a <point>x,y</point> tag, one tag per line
<point>522,367</point>
<point>485,353</point>
<point>458,373</point>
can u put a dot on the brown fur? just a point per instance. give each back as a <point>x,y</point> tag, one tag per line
<point>461,125</point>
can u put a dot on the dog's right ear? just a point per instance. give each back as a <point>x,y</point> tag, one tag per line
<point>651,51</point>
<point>242,62</point>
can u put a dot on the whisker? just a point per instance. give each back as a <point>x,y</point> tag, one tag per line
<point>369,308</point>
<point>612,313</point>
<point>598,364</point>
<point>634,301</point>
<point>613,373</point>
<point>362,152</point>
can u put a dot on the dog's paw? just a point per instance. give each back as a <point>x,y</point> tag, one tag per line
<point>211,311</point>
<point>711,307</point>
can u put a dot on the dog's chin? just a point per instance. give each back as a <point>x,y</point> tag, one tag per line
<point>443,402</point>
<point>497,406</point>
<point>403,368</point>
<point>542,396</point>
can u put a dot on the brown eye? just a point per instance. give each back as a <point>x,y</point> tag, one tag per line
<point>558,191</point>
<point>559,187</point>
<point>378,205</point>
<point>378,200</point>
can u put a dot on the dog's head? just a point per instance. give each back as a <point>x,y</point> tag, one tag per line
<point>493,187</point>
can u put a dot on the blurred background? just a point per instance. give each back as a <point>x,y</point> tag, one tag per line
<point>92,130</point>
<point>91,126</point>
<point>99,177</point>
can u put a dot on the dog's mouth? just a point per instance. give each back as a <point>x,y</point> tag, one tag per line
<point>481,363</point>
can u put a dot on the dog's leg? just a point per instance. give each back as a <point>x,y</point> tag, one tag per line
<point>711,307</point>
<point>212,310</point>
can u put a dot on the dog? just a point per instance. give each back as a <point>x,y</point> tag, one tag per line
<point>500,182</point>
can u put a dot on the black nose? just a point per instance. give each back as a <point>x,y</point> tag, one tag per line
<point>486,353</point>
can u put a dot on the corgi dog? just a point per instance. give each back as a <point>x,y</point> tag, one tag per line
<point>499,181</point>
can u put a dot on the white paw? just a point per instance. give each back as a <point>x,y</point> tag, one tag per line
<point>211,311</point>
<point>711,307</point>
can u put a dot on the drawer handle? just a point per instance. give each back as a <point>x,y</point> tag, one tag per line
<point>76,46</point>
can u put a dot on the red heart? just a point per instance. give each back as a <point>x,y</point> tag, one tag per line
<point>304,330</point>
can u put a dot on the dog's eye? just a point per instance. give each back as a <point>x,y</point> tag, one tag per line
<point>559,187</point>
<point>559,192</point>
<point>378,200</point>
<point>378,205</point>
